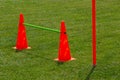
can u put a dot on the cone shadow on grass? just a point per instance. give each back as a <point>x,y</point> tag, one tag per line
<point>59,63</point>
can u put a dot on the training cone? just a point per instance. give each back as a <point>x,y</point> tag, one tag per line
<point>64,50</point>
<point>21,42</point>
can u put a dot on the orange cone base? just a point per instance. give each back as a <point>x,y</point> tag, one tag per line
<point>64,61</point>
<point>21,49</point>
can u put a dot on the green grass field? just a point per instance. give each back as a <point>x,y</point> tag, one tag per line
<point>38,63</point>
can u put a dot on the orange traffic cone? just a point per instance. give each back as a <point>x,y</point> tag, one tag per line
<point>21,38</point>
<point>64,50</point>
